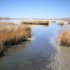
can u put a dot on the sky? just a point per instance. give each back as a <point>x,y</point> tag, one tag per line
<point>35,8</point>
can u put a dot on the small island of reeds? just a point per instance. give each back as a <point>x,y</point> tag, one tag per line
<point>65,38</point>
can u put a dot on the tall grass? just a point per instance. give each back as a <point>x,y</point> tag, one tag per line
<point>65,38</point>
<point>36,22</point>
<point>61,23</point>
<point>10,36</point>
<point>68,21</point>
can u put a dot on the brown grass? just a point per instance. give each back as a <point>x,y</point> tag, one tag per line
<point>61,23</point>
<point>65,38</point>
<point>36,22</point>
<point>68,21</point>
<point>11,36</point>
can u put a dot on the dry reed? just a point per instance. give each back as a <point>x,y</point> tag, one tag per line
<point>61,23</point>
<point>36,22</point>
<point>68,21</point>
<point>65,38</point>
<point>10,36</point>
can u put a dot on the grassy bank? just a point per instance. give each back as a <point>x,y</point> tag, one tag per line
<point>65,38</point>
<point>36,22</point>
<point>10,36</point>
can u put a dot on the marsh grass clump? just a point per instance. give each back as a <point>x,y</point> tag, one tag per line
<point>61,23</point>
<point>36,22</point>
<point>65,38</point>
<point>10,36</point>
<point>68,21</point>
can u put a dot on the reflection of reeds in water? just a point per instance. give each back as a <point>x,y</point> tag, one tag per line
<point>11,36</point>
<point>65,38</point>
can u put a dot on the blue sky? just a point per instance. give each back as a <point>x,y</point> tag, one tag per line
<point>35,8</point>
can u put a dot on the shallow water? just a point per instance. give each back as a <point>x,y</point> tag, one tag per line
<point>41,53</point>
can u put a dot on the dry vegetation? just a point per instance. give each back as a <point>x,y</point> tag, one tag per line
<point>65,38</point>
<point>10,36</point>
<point>61,23</point>
<point>36,22</point>
<point>68,21</point>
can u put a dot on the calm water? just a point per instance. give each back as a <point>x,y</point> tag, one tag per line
<point>41,53</point>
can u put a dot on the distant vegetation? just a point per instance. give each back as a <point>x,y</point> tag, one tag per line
<point>5,18</point>
<point>61,23</point>
<point>36,22</point>
<point>10,36</point>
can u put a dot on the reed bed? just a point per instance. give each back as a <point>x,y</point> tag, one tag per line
<point>65,38</point>
<point>10,36</point>
<point>68,21</point>
<point>36,22</point>
<point>61,23</point>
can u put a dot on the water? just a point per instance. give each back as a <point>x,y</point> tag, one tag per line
<point>41,53</point>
